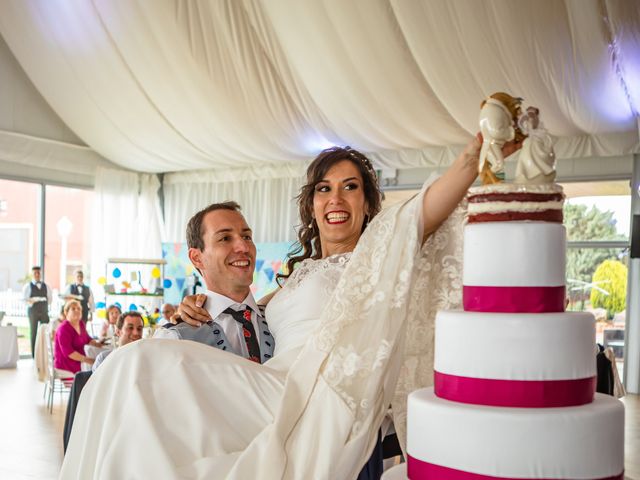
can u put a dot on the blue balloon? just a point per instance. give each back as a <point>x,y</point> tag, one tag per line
<point>116,272</point>
<point>100,305</point>
<point>167,283</point>
<point>133,306</point>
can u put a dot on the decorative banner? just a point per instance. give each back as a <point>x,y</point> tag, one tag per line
<point>155,272</point>
<point>514,393</point>
<point>428,471</point>
<point>117,272</point>
<point>513,299</point>
<point>102,281</point>
<point>101,305</point>
<point>133,307</point>
<point>101,313</point>
<point>167,283</point>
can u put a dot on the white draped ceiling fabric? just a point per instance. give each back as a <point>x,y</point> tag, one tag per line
<point>212,85</point>
<point>170,85</point>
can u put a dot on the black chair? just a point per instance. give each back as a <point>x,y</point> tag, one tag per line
<point>79,381</point>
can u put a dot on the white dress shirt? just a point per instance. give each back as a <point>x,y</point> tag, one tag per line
<point>26,290</point>
<point>215,305</point>
<point>91,304</point>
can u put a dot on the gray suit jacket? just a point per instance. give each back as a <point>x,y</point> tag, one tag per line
<point>212,334</point>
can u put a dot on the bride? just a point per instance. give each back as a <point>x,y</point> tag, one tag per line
<point>353,325</point>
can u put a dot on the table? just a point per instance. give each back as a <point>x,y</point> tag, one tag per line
<point>92,352</point>
<point>8,347</point>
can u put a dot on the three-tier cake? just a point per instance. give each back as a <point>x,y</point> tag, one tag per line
<point>514,384</point>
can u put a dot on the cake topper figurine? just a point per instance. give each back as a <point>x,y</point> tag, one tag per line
<point>537,160</point>
<point>498,124</point>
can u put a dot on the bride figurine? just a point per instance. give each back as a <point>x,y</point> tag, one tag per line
<point>537,160</point>
<point>498,115</point>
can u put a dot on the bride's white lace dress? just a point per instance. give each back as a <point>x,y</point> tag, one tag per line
<point>354,334</point>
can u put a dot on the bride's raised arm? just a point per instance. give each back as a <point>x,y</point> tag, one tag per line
<point>447,191</point>
<point>441,199</point>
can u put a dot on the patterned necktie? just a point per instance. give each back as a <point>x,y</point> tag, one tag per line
<point>243,317</point>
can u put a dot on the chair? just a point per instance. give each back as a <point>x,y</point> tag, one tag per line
<point>58,380</point>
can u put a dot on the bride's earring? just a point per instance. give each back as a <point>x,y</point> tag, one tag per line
<point>310,226</point>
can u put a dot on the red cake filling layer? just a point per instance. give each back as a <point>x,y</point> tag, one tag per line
<point>516,197</point>
<point>554,216</point>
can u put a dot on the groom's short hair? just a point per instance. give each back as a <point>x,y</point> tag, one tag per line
<point>194,226</point>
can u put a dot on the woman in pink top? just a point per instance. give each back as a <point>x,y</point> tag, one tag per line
<point>71,337</point>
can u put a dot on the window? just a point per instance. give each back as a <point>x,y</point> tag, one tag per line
<point>66,245</point>
<point>597,217</point>
<point>67,234</point>
<point>20,212</point>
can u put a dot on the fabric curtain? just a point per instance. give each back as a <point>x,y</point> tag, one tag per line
<point>266,195</point>
<point>126,217</point>
<point>173,85</point>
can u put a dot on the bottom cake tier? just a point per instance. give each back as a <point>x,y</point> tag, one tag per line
<point>456,441</point>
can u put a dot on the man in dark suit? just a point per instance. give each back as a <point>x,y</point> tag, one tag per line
<point>38,297</point>
<point>221,248</point>
<point>81,292</point>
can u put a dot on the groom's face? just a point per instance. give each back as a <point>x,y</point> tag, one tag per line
<point>228,259</point>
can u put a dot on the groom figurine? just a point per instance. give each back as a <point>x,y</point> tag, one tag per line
<point>221,248</point>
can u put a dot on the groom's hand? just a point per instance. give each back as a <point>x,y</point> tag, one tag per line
<point>191,310</point>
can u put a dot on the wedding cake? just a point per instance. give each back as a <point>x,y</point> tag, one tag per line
<point>514,384</point>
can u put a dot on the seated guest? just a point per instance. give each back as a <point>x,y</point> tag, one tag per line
<point>168,311</point>
<point>128,329</point>
<point>108,329</point>
<point>71,338</point>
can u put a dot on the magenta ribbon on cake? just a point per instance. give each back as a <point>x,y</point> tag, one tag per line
<point>513,299</point>
<point>514,393</point>
<point>419,470</point>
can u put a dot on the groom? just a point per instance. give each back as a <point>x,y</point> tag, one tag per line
<point>221,248</point>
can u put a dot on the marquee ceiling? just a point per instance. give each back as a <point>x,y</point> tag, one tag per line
<point>172,85</point>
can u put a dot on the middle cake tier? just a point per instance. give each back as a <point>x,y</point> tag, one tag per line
<point>515,359</point>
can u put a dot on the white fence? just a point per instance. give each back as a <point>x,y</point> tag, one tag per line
<point>13,305</point>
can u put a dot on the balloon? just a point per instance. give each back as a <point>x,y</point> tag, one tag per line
<point>101,313</point>
<point>155,272</point>
<point>133,306</point>
<point>102,281</point>
<point>167,283</point>
<point>117,272</point>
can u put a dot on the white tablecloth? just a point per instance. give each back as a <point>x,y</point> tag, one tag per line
<point>8,347</point>
<point>92,352</point>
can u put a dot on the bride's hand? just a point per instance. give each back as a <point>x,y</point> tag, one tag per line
<point>469,158</point>
<point>191,311</point>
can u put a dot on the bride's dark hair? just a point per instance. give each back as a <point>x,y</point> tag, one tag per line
<point>308,244</point>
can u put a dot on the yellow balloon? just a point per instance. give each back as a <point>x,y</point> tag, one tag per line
<point>101,313</point>
<point>102,281</point>
<point>155,273</point>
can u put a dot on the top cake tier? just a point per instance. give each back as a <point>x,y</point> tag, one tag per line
<point>507,202</point>
<point>515,249</point>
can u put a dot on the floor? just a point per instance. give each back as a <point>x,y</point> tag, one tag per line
<point>31,437</point>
